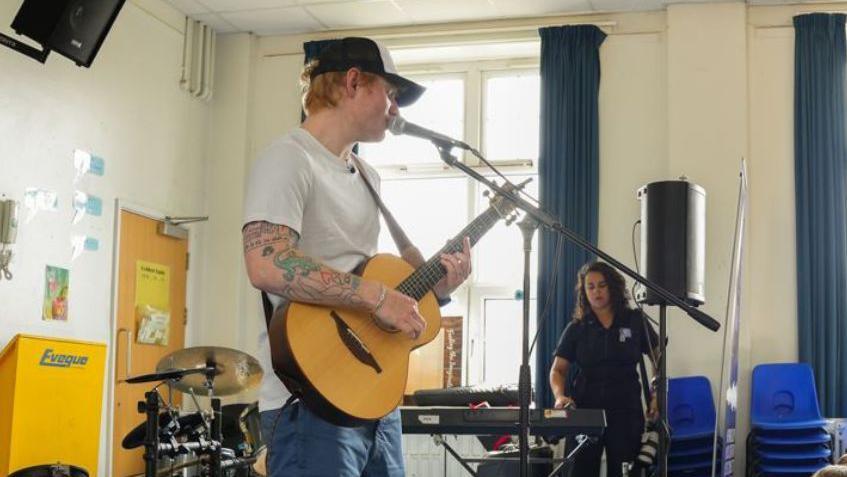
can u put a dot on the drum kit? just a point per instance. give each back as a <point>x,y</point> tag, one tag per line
<point>221,441</point>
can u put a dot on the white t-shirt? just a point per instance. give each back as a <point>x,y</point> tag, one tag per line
<point>299,183</point>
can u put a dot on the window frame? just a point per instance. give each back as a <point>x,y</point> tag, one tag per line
<point>469,299</point>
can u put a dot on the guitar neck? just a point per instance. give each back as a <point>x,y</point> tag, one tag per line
<point>424,278</point>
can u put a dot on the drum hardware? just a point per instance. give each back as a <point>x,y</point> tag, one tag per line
<point>165,434</point>
<point>169,424</point>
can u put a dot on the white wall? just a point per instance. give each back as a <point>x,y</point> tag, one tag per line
<point>128,109</point>
<point>772,258</point>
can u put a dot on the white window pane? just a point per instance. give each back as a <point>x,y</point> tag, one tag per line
<point>441,108</point>
<point>511,121</point>
<point>503,334</point>
<point>499,255</point>
<point>431,211</point>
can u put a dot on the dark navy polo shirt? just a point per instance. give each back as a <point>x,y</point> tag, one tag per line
<point>607,359</point>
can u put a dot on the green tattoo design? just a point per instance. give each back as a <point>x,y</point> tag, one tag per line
<point>290,265</point>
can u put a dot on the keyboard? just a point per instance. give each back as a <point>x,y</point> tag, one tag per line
<point>501,420</point>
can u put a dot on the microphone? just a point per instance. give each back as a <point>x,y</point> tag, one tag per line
<point>398,126</point>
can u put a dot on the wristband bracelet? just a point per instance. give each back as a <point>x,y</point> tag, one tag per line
<point>381,299</point>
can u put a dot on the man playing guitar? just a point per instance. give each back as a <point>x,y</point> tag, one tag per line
<point>309,221</point>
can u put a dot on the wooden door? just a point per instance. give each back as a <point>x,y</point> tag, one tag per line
<point>141,241</point>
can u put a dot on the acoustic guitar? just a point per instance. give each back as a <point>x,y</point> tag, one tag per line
<point>343,365</point>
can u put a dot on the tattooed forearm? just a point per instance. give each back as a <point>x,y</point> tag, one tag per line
<point>262,234</point>
<point>277,266</point>
<point>306,280</point>
<point>309,290</point>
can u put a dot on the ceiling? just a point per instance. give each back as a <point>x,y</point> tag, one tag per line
<point>273,17</point>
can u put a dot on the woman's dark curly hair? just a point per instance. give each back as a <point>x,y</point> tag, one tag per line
<point>618,294</point>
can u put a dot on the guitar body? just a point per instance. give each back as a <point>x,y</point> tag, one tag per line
<point>346,368</point>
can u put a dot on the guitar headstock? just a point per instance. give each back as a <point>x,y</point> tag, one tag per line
<point>504,207</point>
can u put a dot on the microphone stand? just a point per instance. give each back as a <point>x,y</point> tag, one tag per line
<point>536,216</point>
<point>528,226</point>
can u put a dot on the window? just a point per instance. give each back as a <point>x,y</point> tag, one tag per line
<point>442,111</point>
<point>495,105</point>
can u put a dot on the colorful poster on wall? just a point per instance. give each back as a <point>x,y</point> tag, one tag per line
<point>56,288</point>
<point>152,285</point>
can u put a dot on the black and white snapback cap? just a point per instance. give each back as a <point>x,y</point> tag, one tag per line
<point>368,56</point>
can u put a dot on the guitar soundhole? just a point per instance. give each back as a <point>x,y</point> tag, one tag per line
<point>354,344</point>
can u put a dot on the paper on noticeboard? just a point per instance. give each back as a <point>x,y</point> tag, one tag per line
<point>152,285</point>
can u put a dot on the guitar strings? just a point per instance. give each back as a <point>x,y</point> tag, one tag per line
<point>421,281</point>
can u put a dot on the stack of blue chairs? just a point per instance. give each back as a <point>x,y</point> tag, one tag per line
<point>691,415</point>
<point>787,433</point>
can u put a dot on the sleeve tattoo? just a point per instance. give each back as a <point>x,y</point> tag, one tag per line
<point>301,278</point>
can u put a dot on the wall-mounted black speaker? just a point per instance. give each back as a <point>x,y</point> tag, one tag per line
<point>73,28</point>
<point>673,240</point>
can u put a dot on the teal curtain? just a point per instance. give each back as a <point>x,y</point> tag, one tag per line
<point>819,155</point>
<point>568,175</point>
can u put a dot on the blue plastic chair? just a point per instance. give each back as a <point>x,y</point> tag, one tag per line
<point>819,453</point>
<point>691,409</point>
<point>806,469</point>
<point>692,465</point>
<point>804,437</point>
<point>784,398</point>
<point>698,472</point>
<point>694,451</point>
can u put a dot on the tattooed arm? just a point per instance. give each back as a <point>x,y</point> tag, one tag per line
<point>276,265</point>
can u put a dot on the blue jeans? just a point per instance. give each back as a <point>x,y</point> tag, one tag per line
<point>304,445</point>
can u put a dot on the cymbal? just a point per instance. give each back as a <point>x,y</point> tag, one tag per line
<point>164,375</point>
<point>236,371</point>
<point>135,437</point>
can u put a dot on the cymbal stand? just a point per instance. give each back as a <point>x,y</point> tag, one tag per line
<point>150,406</point>
<point>215,457</point>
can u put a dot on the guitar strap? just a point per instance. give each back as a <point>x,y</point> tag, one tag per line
<point>269,309</point>
<point>400,238</point>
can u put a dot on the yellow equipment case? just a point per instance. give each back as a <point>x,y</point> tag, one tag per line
<point>51,393</point>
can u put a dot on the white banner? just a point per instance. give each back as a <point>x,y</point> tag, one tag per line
<point>729,376</point>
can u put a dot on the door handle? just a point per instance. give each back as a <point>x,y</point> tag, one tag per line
<point>128,366</point>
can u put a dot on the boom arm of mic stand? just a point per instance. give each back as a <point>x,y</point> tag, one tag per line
<point>545,218</point>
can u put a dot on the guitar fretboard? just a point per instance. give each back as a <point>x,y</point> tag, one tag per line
<point>424,278</point>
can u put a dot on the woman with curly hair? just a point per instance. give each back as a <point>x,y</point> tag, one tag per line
<point>605,339</point>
